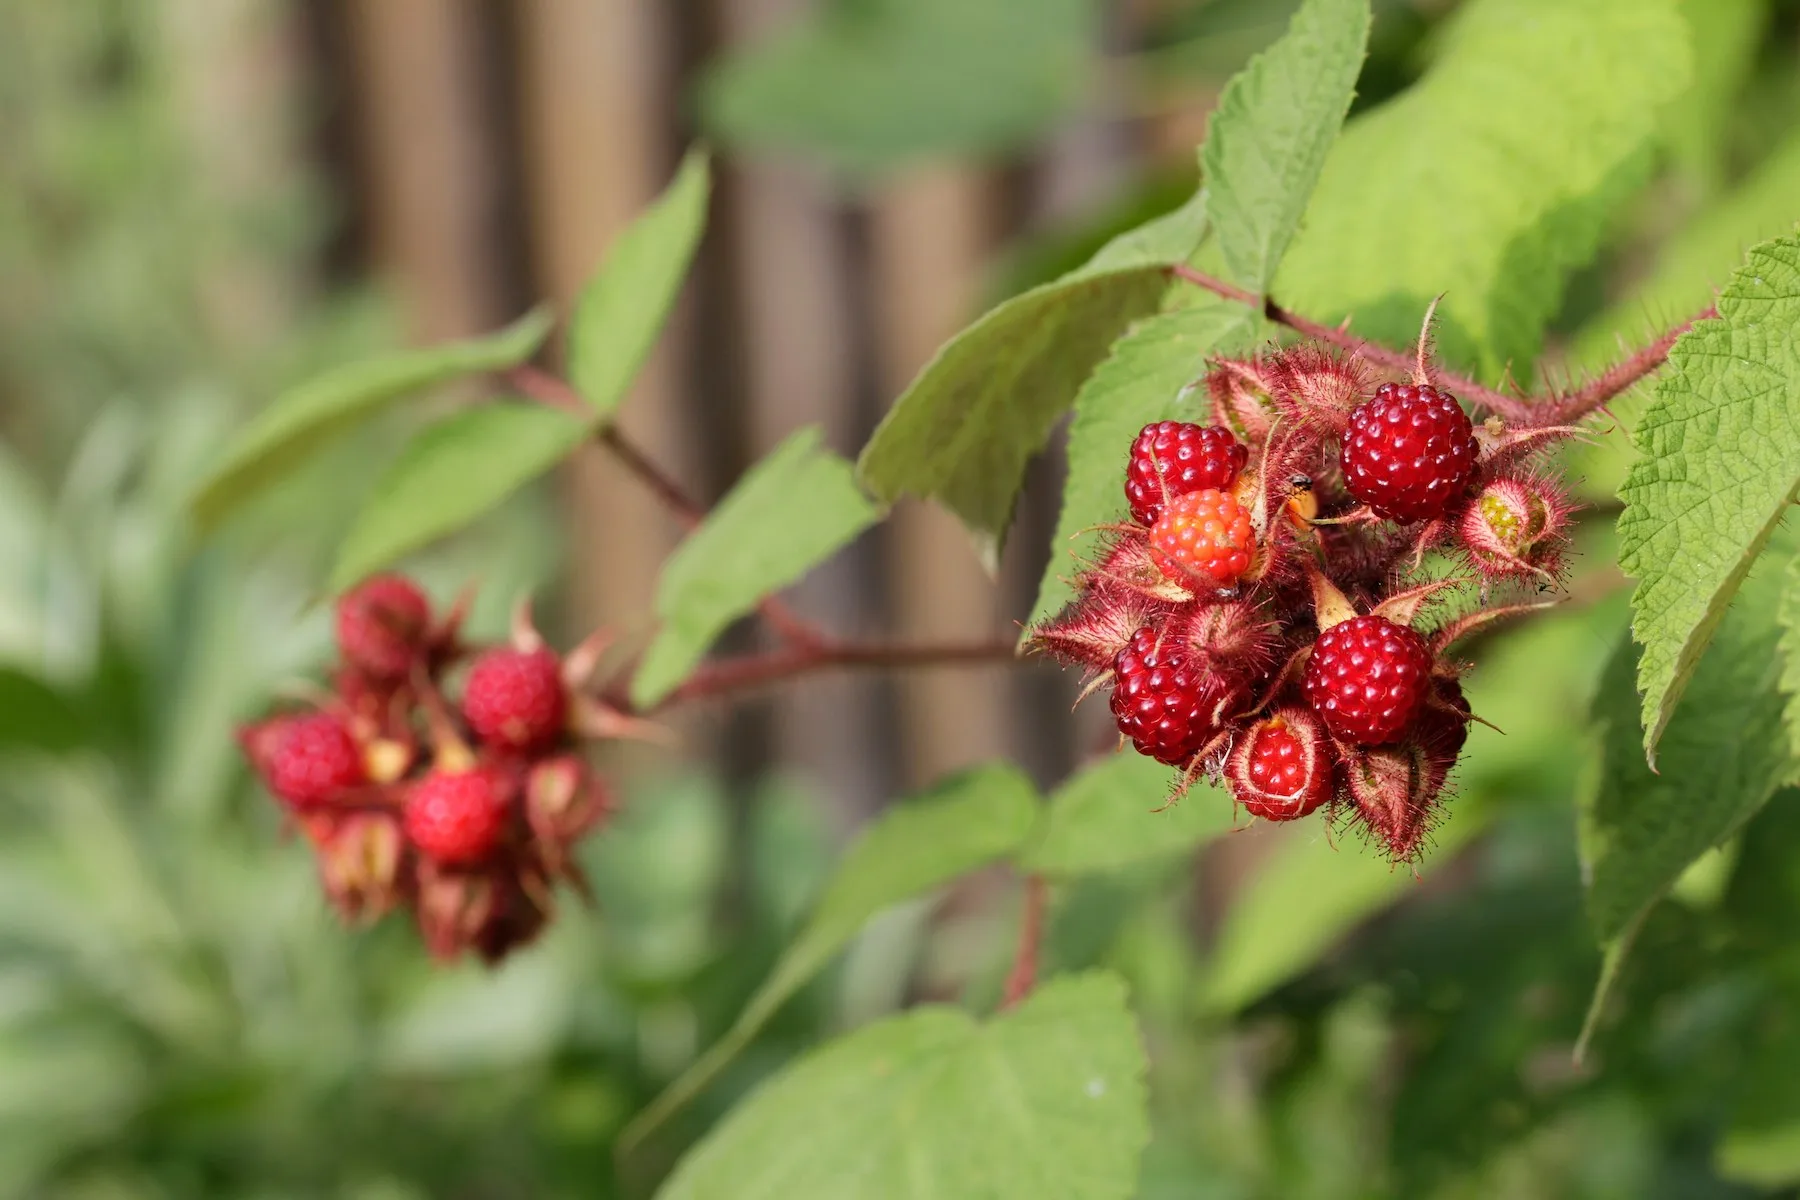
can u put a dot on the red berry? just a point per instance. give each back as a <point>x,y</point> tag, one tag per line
<point>1165,703</point>
<point>1409,452</point>
<point>1204,536</point>
<point>515,698</point>
<point>1367,679</point>
<point>1173,458</point>
<point>457,817</point>
<point>382,625</point>
<point>314,760</point>
<point>1281,768</point>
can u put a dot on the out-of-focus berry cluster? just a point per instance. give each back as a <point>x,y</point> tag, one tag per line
<point>1265,615</point>
<point>464,809</point>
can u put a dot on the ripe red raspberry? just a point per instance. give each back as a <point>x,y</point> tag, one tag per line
<point>1165,703</point>
<point>314,760</point>
<point>516,699</point>
<point>457,817</point>
<point>1367,679</point>
<point>1173,458</point>
<point>1281,768</point>
<point>1409,452</point>
<point>1204,536</point>
<point>382,625</point>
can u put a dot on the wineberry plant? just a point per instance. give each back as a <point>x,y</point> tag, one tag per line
<point>1321,471</point>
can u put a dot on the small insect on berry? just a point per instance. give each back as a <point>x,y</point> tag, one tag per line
<point>314,760</point>
<point>1409,453</point>
<point>457,818</point>
<point>1203,537</point>
<point>1281,768</point>
<point>515,699</point>
<point>382,625</point>
<point>1165,703</point>
<point>1367,678</point>
<point>1173,458</point>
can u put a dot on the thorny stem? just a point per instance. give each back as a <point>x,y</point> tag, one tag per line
<point>1553,410</point>
<point>1023,976</point>
<point>1621,375</point>
<point>1394,360</point>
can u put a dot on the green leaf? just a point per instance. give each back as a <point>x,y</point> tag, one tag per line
<point>1269,136</point>
<point>1111,814</point>
<point>304,419</point>
<point>965,429</point>
<point>623,307</point>
<point>871,84</point>
<point>36,716</point>
<point>1144,379</point>
<point>450,474</point>
<point>790,512</point>
<point>1046,1102</point>
<point>1722,756</point>
<point>1490,179</point>
<point>1720,464</point>
<point>967,821</point>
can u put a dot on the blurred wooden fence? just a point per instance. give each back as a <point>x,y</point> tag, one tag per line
<point>489,151</point>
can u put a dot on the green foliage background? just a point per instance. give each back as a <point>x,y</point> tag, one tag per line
<point>179,1017</point>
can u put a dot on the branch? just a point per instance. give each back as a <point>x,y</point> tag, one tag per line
<point>1509,407</point>
<point>547,389</point>
<point>1562,410</point>
<point>751,671</point>
<point>1023,976</point>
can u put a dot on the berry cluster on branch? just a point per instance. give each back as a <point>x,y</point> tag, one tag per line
<point>1266,616</point>
<point>465,814</point>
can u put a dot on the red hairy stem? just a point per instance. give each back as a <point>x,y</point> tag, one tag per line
<point>1023,975</point>
<point>748,672</point>
<point>547,389</point>
<point>1562,410</point>
<point>1509,407</point>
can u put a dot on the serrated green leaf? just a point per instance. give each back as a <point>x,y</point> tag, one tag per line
<point>1115,813</point>
<point>964,430</point>
<point>1142,380</point>
<point>304,419</point>
<point>790,512</point>
<point>871,84</point>
<point>1269,136</point>
<point>1723,755</point>
<point>1720,462</point>
<point>965,822</point>
<point>450,474</point>
<point>1046,1102</point>
<point>623,307</point>
<point>1490,179</point>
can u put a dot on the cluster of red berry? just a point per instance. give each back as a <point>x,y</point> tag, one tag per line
<point>1256,619</point>
<point>467,814</point>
